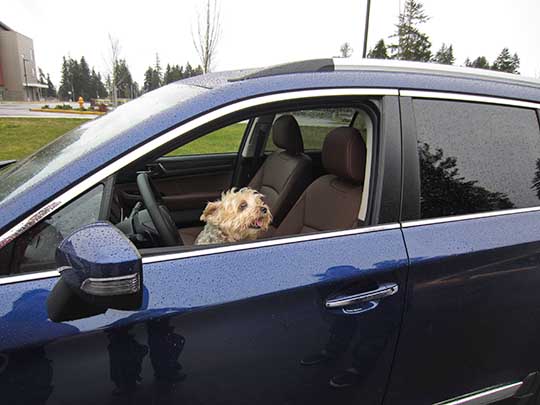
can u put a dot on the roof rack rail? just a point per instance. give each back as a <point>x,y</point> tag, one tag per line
<point>305,66</point>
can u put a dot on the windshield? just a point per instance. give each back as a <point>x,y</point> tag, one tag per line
<point>89,136</point>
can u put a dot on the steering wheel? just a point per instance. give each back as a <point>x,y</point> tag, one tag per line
<point>157,210</point>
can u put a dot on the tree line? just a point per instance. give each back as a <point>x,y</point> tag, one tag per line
<point>78,79</point>
<point>154,77</point>
<point>409,43</point>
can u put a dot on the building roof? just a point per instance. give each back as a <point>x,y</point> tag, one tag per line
<point>4,27</point>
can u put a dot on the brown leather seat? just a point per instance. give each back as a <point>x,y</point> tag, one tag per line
<point>332,201</point>
<point>284,174</point>
<point>282,178</point>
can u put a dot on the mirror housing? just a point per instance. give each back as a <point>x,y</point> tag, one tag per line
<point>100,269</point>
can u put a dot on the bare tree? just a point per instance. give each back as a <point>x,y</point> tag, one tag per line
<point>111,61</point>
<point>208,34</point>
<point>346,50</point>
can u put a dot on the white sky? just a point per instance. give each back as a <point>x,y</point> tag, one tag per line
<point>259,33</point>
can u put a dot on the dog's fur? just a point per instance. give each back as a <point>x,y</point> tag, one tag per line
<point>238,215</point>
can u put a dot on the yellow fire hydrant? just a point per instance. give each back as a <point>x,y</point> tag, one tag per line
<point>81,102</point>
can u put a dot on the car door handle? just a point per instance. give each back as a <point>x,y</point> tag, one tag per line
<point>385,290</point>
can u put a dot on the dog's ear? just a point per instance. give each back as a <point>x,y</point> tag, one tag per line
<point>210,210</point>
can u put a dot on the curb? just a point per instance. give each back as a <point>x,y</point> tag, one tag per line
<point>53,110</point>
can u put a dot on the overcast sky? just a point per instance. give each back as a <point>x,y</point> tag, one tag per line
<point>259,33</point>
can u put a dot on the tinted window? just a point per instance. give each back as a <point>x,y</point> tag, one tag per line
<point>476,157</point>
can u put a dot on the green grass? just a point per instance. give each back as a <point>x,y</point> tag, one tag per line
<point>21,137</point>
<point>221,141</point>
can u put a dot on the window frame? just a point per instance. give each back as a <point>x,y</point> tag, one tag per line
<point>187,132</point>
<point>410,209</point>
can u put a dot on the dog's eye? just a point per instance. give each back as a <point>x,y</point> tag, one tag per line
<point>243,205</point>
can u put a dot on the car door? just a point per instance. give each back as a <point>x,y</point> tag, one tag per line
<point>472,231</point>
<point>275,321</point>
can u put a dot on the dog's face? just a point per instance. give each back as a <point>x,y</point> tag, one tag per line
<point>240,214</point>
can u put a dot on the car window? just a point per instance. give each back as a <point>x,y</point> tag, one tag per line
<point>476,157</point>
<point>315,125</point>
<point>224,140</point>
<point>35,249</point>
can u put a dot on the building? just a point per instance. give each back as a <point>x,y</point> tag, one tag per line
<point>18,72</point>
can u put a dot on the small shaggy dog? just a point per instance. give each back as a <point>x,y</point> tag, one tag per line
<point>239,215</point>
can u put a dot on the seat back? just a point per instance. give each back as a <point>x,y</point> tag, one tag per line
<point>284,174</point>
<point>331,202</point>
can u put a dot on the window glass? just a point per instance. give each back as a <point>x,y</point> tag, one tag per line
<point>35,249</point>
<point>476,157</point>
<point>315,125</point>
<point>224,140</point>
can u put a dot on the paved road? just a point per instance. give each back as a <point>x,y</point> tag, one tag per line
<point>8,109</point>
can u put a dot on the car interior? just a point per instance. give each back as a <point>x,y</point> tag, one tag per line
<point>311,163</point>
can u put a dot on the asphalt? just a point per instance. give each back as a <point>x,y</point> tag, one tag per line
<point>21,109</point>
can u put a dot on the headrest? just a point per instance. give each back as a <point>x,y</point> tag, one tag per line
<point>344,154</point>
<point>286,134</point>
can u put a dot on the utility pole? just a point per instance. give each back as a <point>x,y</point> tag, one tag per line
<point>366,29</point>
<point>25,77</point>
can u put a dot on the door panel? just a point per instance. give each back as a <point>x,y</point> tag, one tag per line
<point>473,311</point>
<point>187,183</point>
<point>234,327</point>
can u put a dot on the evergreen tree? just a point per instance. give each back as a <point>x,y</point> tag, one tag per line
<point>85,80</point>
<point>445,55</point>
<point>480,63</point>
<point>411,43</point>
<point>148,79</point>
<point>197,71</point>
<point>66,85</point>
<point>167,75</point>
<point>51,90</point>
<point>123,78</point>
<point>505,62</point>
<point>188,71</point>
<point>379,52</point>
<point>97,88</point>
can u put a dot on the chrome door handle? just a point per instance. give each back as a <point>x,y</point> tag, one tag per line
<point>385,290</point>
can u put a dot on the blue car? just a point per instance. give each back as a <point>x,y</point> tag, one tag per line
<point>402,265</point>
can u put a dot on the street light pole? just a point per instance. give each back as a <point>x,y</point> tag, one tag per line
<point>366,29</point>
<point>25,77</point>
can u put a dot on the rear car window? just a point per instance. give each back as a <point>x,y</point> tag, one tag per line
<point>315,125</point>
<point>476,157</point>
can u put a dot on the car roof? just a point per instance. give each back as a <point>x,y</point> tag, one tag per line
<point>337,65</point>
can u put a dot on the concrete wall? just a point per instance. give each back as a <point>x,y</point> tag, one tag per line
<point>12,48</point>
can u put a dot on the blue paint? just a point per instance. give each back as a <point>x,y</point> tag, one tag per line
<point>472,311</point>
<point>225,319</point>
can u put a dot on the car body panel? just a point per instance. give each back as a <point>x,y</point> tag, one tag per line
<point>235,322</point>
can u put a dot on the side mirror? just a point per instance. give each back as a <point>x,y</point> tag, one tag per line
<point>100,269</point>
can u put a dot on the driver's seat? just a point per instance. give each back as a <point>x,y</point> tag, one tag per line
<point>282,178</point>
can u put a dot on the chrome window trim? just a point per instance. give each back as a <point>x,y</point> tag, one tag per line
<point>215,250</point>
<point>29,277</point>
<point>468,97</point>
<point>266,243</point>
<point>455,218</point>
<point>142,150</point>
<point>488,396</point>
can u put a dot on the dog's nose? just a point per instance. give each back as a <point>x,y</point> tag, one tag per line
<point>264,210</point>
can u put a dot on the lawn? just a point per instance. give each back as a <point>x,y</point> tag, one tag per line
<point>20,137</point>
